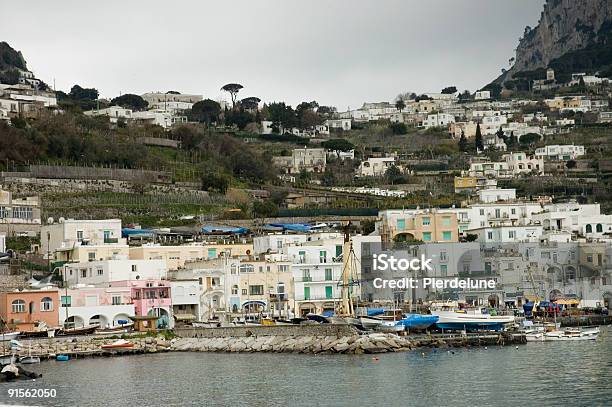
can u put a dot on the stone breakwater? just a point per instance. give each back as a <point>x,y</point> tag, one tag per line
<point>354,344</point>
<point>87,346</point>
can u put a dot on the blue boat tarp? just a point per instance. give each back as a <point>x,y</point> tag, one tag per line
<point>328,314</point>
<point>125,232</point>
<point>225,230</point>
<point>418,321</point>
<point>528,308</point>
<point>375,311</point>
<point>293,227</point>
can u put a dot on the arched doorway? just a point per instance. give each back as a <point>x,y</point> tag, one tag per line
<point>307,308</point>
<point>101,320</point>
<point>493,300</point>
<point>74,322</point>
<point>554,294</point>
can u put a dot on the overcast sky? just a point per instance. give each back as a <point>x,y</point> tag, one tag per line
<point>338,52</point>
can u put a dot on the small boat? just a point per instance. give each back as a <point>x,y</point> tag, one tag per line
<point>118,344</point>
<point>116,330</point>
<point>391,326</point>
<point>28,360</point>
<point>318,318</point>
<point>46,333</point>
<point>370,322</point>
<point>268,321</point>
<point>62,358</point>
<point>84,330</point>
<point>573,334</point>
<point>7,336</point>
<point>7,359</point>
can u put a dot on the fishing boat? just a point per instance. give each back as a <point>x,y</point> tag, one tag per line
<point>470,319</point>
<point>116,330</point>
<point>573,334</point>
<point>118,344</point>
<point>28,360</point>
<point>391,326</point>
<point>7,336</point>
<point>318,318</point>
<point>84,330</point>
<point>418,321</point>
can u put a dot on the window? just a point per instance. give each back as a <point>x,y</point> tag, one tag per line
<point>22,212</point>
<point>66,301</point>
<point>256,290</point>
<point>234,289</point>
<point>244,291</point>
<point>261,269</point>
<point>283,268</point>
<point>107,235</point>
<point>306,293</point>
<point>329,292</point>
<point>338,250</point>
<point>134,268</point>
<point>443,270</point>
<point>599,228</point>
<point>100,272</point>
<point>322,256</point>
<point>83,273</point>
<point>328,274</point>
<point>589,229</point>
<point>79,235</point>
<point>247,268</point>
<point>513,211</point>
<point>91,256</point>
<point>401,224</point>
<point>234,269</point>
<point>446,221</point>
<point>447,235</point>
<point>18,306</point>
<point>116,300</point>
<point>490,235</point>
<point>267,269</point>
<point>482,212</point>
<point>443,256</point>
<point>302,255</point>
<point>306,275</point>
<point>427,236</point>
<point>279,244</point>
<point>426,221</point>
<point>4,212</point>
<point>212,253</point>
<point>511,234</point>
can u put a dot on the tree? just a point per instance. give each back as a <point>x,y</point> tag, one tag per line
<point>392,174</point>
<point>512,142</point>
<point>338,144</point>
<point>306,115</point>
<point>205,111</point>
<point>465,96</point>
<point>265,209</point>
<point>250,103</point>
<point>281,116</point>
<point>570,164</point>
<point>529,139</point>
<point>79,93</point>
<point>326,110</point>
<point>398,128</point>
<point>232,89</point>
<point>478,139</point>
<point>463,143</point>
<point>400,105</point>
<point>215,182</point>
<point>449,90</point>
<point>130,101</point>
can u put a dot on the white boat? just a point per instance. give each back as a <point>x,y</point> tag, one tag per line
<point>370,322</point>
<point>573,334</point>
<point>7,336</point>
<point>471,319</point>
<point>391,326</point>
<point>28,360</point>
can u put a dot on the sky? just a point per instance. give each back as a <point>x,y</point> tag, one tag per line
<point>338,52</point>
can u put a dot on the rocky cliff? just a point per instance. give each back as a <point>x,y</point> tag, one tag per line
<point>565,27</point>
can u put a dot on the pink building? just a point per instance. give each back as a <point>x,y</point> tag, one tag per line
<point>150,297</point>
<point>87,305</point>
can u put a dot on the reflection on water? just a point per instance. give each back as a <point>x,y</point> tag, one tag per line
<point>542,374</point>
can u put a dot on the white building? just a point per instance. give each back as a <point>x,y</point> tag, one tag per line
<point>114,113</point>
<point>342,124</point>
<point>483,95</point>
<point>507,233</point>
<point>302,159</point>
<point>375,166</point>
<point>560,152</point>
<point>87,305</point>
<point>521,163</point>
<point>496,195</point>
<point>492,169</point>
<point>67,234</point>
<point>164,97</point>
<point>438,120</point>
<point>101,273</point>
<point>185,295</point>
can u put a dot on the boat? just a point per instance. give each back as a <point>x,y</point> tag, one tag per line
<point>573,334</point>
<point>391,326</point>
<point>84,330</point>
<point>206,324</point>
<point>118,344</point>
<point>7,360</point>
<point>418,321</point>
<point>116,330</point>
<point>470,319</point>
<point>7,336</point>
<point>318,318</point>
<point>62,358</point>
<point>28,360</point>
<point>370,322</point>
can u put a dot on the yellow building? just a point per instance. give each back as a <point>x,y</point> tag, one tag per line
<point>418,225</point>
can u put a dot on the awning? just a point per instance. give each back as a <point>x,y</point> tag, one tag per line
<point>184,317</point>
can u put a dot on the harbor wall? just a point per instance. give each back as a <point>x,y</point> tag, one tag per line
<point>336,330</point>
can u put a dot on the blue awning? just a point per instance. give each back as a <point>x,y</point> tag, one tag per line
<point>125,232</point>
<point>375,311</point>
<point>294,227</point>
